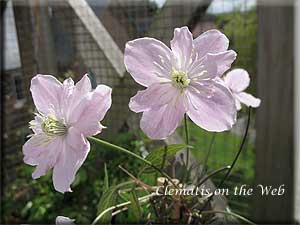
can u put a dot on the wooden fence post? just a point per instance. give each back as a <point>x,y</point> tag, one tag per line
<point>44,42</point>
<point>297,112</point>
<point>275,148</point>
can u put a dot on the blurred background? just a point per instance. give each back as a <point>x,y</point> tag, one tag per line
<point>72,37</point>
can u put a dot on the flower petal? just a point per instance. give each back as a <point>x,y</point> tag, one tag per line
<point>74,153</point>
<point>62,220</point>
<point>35,124</point>
<point>36,145</point>
<point>45,90</point>
<point>182,46</point>
<point>237,80</point>
<point>211,66</point>
<point>66,96</point>
<point>42,168</point>
<point>42,152</point>
<point>155,95</point>
<point>248,100</point>
<point>223,60</point>
<point>203,69</point>
<point>83,86</point>
<point>148,61</point>
<point>212,106</point>
<point>79,91</point>
<point>211,41</point>
<point>160,122</point>
<point>237,104</point>
<point>91,110</point>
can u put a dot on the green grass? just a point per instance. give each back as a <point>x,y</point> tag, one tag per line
<point>223,151</point>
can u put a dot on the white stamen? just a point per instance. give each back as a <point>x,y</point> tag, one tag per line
<point>179,79</point>
<point>52,126</point>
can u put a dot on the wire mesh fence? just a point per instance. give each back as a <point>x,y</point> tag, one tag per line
<point>70,38</point>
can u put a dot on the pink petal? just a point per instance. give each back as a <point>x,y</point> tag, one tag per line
<point>223,60</point>
<point>62,220</point>
<point>83,86</point>
<point>45,90</point>
<point>211,106</point>
<point>203,69</point>
<point>35,125</point>
<point>212,41</point>
<point>42,168</point>
<point>35,145</point>
<point>148,61</point>
<point>248,100</point>
<point>66,96</point>
<point>238,104</point>
<point>42,154</point>
<point>79,92</point>
<point>237,80</point>
<point>160,122</point>
<point>182,46</point>
<point>91,110</point>
<point>155,95</point>
<point>30,161</point>
<point>75,151</point>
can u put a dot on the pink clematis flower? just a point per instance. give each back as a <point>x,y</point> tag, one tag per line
<point>67,114</point>
<point>183,79</point>
<point>237,81</point>
<point>62,220</point>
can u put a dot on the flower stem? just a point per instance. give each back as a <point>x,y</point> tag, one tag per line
<point>124,150</point>
<point>204,170</point>
<point>141,199</point>
<point>212,174</point>
<point>187,143</point>
<point>234,161</point>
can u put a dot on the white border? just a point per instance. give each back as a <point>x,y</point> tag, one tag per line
<point>297,110</point>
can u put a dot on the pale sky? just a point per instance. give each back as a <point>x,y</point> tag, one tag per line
<point>11,47</point>
<point>220,6</point>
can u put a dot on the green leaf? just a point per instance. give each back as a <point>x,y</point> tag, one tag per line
<point>106,182</point>
<point>107,200</point>
<point>161,155</point>
<point>26,209</point>
<point>135,209</point>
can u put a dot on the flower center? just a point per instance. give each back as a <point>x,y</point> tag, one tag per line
<point>179,79</point>
<point>53,127</point>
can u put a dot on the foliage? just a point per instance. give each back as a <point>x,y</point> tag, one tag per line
<point>223,150</point>
<point>35,201</point>
<point>241,29</point>
<point>159,157</point>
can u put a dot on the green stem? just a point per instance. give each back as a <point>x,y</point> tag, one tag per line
<point>234,161</point>
<point>124,150</point>
<point>187,143</point>
<point>229,213</point>
<point>204,179</point>
<point>207,155</point>
<point>119,206</point>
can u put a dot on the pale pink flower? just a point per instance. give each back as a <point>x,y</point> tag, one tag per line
<point>63,220</point>
<point>183,79</point>
<point>237,81</point>
<point>67,114</point>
